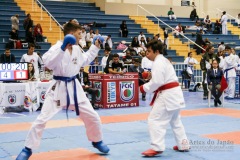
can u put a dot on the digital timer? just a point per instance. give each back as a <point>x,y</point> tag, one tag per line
<point>13,71</point>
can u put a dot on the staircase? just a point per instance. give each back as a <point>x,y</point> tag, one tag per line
<point>50,30</point>
<point>234,29</point>
<point>174,43</point>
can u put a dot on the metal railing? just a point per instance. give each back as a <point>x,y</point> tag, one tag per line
<point>34,8</point>
<point>179,67</point>
<point>159,20</point>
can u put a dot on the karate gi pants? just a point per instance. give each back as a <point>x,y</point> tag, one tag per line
<point>224,29</point>
<point>231,87</point>
<point>90,118</point>
<point>158,121</point>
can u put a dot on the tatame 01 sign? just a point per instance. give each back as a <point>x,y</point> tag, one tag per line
<point>13,71</point>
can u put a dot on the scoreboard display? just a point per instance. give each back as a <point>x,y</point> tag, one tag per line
<point>13,71</point>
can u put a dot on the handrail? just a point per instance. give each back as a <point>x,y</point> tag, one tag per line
<point>170,27</point>
<point>51,17</point>
<point>227,14</point>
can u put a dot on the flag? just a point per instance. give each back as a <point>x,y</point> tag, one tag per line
<point>224,84</point>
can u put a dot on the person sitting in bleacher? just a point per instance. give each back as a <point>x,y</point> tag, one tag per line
<point>143,43</point>
<point>84,81</point>
<point>214,76</point>
<point>38,33</point>
<point>193,14</point>
<point>135,45</point>
<point>128,58</point>
<point>217,27</point>
<point>141,35</point>
<point>208,23</point>
<point>123,29</point>
<point>29,36</point>
<point>136,67</point>
<point>171,14</point>
<point>190,62</point>
<point>178,30</point>
<point>13,38</point>
<point>221,47</point>
<point>93,68</point>
<point>15,22</point>
<point>116,66</point>
<point>89,38</point>
<point>108,42</point>
<point>7,57</point>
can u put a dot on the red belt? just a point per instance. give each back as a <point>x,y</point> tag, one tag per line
<point>164,87</point>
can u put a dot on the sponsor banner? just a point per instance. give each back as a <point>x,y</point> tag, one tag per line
<point>98,86</point>
<point>126,90</point>
<point>111,92</point>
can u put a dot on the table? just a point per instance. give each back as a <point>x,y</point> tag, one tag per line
<point>29,94</point>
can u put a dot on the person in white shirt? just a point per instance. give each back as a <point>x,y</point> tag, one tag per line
<point>208,23</point>
<point>224,20</point>
<point>141,35</point>
<point>32,57</point>
<point>190,62</point>
<point>108,42</point>
<point>230,72</point>
<point>178,30</point>
<point>221,47</point>
<point>146,64</point>
<point>237,20</point>
<point>107,51</point>
<point>89,38</point>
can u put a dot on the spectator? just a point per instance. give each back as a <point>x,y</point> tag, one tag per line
<point>136,67</point>
<point>93,68</point>
<point>27,23</point>
<point>143,43</point>
<point>33,58</point>
<point>165,37</point>
<point>84,81</point>
<point>221,47</point>
<point>171,14</point>
<point>148,39</point>
<point>13,38</point>
<point>38,33</point>
<point>116,66</point>
<point>108,42</point>
<point>223,21</point>
<point>146,63</point>
<point>217,27</point>
<point>178,30</point>
<point>193,14</point>
<point>89,38</point>
<point>141,35</point>
<point>82,41</point>
<point>31,72</point>
<point>190,62</point>
<point>123,29</point>
<point>135,45</point>
<point>128,58</point>
<point>7,57</point>
<point>15,22</point>
<point>106,58</point>
<point>199,41</point>
<point>29,36</point>
<point>208,23</point>
<point>238,20</point>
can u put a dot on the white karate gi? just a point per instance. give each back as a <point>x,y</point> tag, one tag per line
<point>146,64</point>
<point>230,75</point>
<point>166,108</point>
<point>224,20</point>
<point>34,59</point>
<point>64,64</point>
<point>190,66</point>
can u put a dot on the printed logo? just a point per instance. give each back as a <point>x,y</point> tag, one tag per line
<point>127,90</point>
<point>42,95</point>
<point>27,101</point>
<point>12,98</point>
<point>98,86</point>
<point>111,92</point>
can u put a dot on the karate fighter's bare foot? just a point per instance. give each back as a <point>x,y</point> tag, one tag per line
<point>151,153</point>
<point>183,150</point>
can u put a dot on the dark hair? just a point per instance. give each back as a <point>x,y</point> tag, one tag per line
<point>227,47</point>
<point>30,45</point>
<point>222,42</point>
<point>155,46</point>
<point>70,27</point>
<point>31,73</point>
<point>208,48</point>
<point>6,49</point>
<point>115,55</point>
<point>189,53</point>
<point>107,49</point>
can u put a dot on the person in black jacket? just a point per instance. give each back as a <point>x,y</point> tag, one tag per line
<point>123,28</point>
<point>84,81</point>
<point>7,57</point>
<point>199,41</point>
<point>214,76</point>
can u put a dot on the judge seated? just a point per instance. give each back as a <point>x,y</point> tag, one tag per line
<point>84,81</point>
<point>214,76</point>
<point>116,66</point>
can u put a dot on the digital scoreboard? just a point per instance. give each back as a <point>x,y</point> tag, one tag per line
<point>13,71</point>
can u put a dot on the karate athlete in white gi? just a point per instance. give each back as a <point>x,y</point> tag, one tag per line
<point>230,66</point>
<point>224,20</point>
<point>166,103</point>
<point>65,59</point>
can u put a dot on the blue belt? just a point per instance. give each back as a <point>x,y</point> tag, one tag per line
<point>149,69</point>
<point>226,71</point>
<point>66,80</point>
